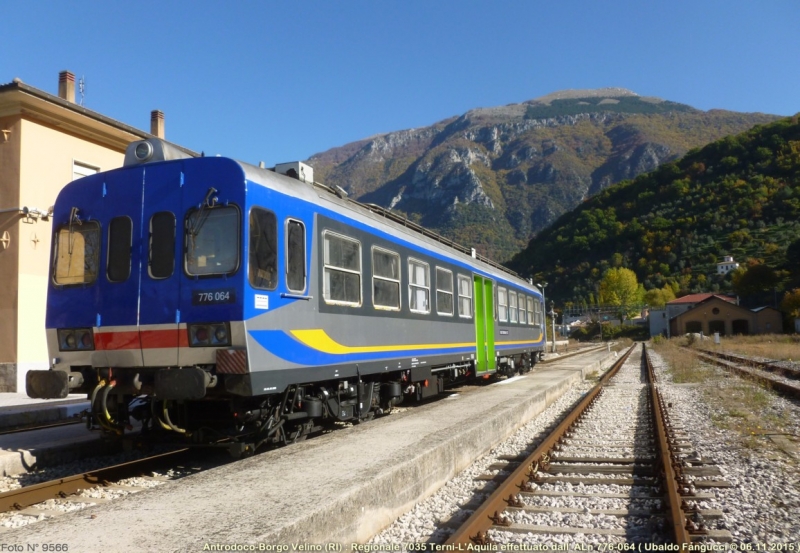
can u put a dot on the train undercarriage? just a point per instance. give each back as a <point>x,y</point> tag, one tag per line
<point>200,412</point>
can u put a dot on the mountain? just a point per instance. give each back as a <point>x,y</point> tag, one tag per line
<point>494,177</point>
<point>738,196</point>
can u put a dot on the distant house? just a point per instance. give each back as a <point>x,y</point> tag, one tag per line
<point>726,265</point>
<point>711,313</point>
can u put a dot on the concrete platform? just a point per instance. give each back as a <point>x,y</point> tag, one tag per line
<point>338,488</point>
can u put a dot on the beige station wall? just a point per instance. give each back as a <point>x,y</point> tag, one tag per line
<point>9,253</point>
<point>46,166</point>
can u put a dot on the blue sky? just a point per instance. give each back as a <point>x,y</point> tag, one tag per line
<point>279,81</point>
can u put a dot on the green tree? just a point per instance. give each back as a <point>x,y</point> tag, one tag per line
<point>620,288</point>
<point>754,279</point>
<point>791,303</point>
<point>659,297</point>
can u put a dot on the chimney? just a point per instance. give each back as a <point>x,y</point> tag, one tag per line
<point>157,123</point>
<point>66,86</point>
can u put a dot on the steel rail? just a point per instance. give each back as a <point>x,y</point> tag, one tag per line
<point>475,527</point>
<point>767,366</point>
<point>27,496</point>
<point>782,387</point>
<point>668,458</point>
<point>32,428</point>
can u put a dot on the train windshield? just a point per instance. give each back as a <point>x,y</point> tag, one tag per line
<point>212,241</point>
<point>77,254</point>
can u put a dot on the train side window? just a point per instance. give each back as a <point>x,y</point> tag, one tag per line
<point>341,270</point>
<point>212,240</point>
<point>444,292</point>
<point>419,286</point>
<point>464,296</point>
<point>120,235</point>
<point>295,256</point>
<point>263,259</point>
<point>385,279</point>
<point>512,307</point>
<point>502,304</point>
<point>162,245</point>
<point>530,311</point>
<point>77,254</point>
<point>523,318</point>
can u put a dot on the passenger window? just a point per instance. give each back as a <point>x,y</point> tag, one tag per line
<point>212,241</point>
<point>263,258</point>
<point>419,286</point>
<point>162,245</point>
<point>385,279</point>
<point>512,307</point>
<point>77,254</point>
<point>523,319</point>
<point>295,256</point>
<point>464,296</point>
<point>502,304</point>
<point>444,292</point>
<point>531,319</point>
<point>120,235</point>
<point>342,270</point>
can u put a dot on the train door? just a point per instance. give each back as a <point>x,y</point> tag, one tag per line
<point>116,205</point>
<point>486,361</point>
<point>161,270</point>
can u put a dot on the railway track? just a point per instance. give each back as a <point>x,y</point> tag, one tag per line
<point>614,467</point>
<point>55,496</point>
<point>780,378</point>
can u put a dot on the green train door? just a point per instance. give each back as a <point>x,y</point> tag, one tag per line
<point>486,361</point>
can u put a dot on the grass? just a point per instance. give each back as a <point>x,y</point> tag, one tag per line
<point>739,405</point>
<point>781,347</point>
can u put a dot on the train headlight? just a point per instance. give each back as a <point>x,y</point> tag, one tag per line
<point>143,151</point>
<point>209,335</point>
<point>74,339</point>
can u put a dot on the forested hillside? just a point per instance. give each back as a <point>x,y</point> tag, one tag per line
<point>738,196</point>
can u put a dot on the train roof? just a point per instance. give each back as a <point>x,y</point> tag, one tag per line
<point>301,183</point>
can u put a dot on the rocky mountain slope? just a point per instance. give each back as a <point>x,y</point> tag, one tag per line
<point>494,177</point>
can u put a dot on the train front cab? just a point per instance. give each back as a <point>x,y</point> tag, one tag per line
<point>145,276</point>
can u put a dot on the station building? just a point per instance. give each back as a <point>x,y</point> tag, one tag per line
<point>46,141</point>
<point>712,313</point>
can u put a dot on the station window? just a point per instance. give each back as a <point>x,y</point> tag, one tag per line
<point>444,291</point>
<point>385,279</point>
<point>120,235</point>
<point>162,245</point>
<point>531,319</point>
<point>464,296</point>
<point>502,304</point>
<point>523,316</point>
<point>295,256</point>
<point>263,258</point>
<point>341,270</point>
<point>512,307</point>
<point>212,240</point>
<point>419,286</point>
<point>77,254</point>
<point>80,170</point>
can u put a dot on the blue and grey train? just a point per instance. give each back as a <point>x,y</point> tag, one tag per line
<point>212,298</point>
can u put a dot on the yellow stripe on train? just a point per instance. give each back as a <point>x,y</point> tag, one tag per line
<point>319,340</point>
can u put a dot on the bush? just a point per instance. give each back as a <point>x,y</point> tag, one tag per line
<point>596,331</point>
